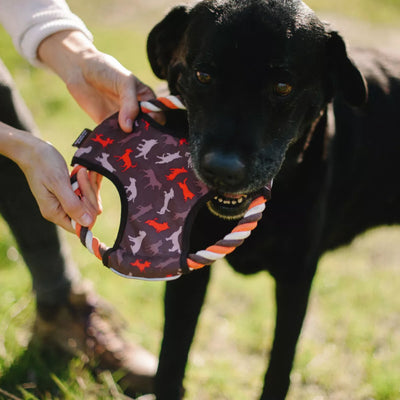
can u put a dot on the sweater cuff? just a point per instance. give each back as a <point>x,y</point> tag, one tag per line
<point>37,33</point>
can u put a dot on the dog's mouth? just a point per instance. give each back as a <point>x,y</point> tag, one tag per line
<point>234,206</point>
<point>229,206</point>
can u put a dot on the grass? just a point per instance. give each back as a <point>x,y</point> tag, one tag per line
<point>350,346</point>
<point>386,11</point>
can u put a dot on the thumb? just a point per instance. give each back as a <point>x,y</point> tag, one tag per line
<point>129,108</point>
<point>130,95</point>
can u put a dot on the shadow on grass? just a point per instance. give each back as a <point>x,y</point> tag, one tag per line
<point>38,373</point>
<point>48,374</point>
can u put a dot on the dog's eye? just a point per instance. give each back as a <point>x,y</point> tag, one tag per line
<point>283,89</point>
<point>203,77</point>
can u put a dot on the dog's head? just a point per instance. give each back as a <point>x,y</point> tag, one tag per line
<point>254,76</point>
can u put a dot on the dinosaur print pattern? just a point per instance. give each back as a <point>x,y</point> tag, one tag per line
<point>158,188</point>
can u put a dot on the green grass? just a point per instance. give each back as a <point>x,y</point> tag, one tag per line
<point>350,346</point>
<point>385,11</point>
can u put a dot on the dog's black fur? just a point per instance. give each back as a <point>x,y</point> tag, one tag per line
<point>271,93</point>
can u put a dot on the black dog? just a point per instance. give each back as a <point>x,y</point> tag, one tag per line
<point>272,95</point>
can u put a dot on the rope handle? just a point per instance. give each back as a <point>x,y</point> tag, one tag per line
<point>92,243</point>
<point>231,241</point>
<point>162,104</point>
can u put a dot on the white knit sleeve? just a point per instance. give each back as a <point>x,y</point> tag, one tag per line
<point>28,22</point>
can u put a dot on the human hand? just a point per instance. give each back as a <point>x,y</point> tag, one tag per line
<point>48,178</point>
<point>89,184</point>
<point>97,81</point>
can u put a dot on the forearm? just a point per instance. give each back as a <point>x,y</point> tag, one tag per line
<point>30,21</point>
<point>16,144</point>
<point>65,52</point>
<point>97,81</point>
<point>48,177</point>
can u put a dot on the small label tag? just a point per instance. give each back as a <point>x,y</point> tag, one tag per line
<point>81,138</point>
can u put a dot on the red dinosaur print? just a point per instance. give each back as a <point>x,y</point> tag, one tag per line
<point>126,159</point>
<point>175,172</point>
<point>157,226</point>
<point>146,125</point>
<point>141,265</point>
<point>182,141</point>
<point>103,142</point>
<point>187,194</point>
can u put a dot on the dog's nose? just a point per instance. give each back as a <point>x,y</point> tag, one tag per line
<point>223,170</point>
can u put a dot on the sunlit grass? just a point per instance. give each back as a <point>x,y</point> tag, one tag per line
<point>386,11</point>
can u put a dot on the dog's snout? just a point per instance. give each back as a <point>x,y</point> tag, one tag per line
<point>223,170</point>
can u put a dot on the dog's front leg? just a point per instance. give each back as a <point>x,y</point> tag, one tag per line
<point>183,301</point>
<point>291,303</point>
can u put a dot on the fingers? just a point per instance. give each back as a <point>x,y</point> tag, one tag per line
<point>131,92</point>
<point>89,183</point>
<point>62,205</point>
<point>95,180</point>
<point>79,210</point>
<point>130,108</point>
<point>48,178</point>
<point>146,93</point>
<point>53,212</point>
<point>128,113</point>
<point>104,86</point>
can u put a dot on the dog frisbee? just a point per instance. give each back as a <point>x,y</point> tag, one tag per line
<point>160,196</point>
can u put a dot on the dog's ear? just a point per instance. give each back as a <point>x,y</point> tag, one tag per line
<point>164,39</point>
<point>346,78</point>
